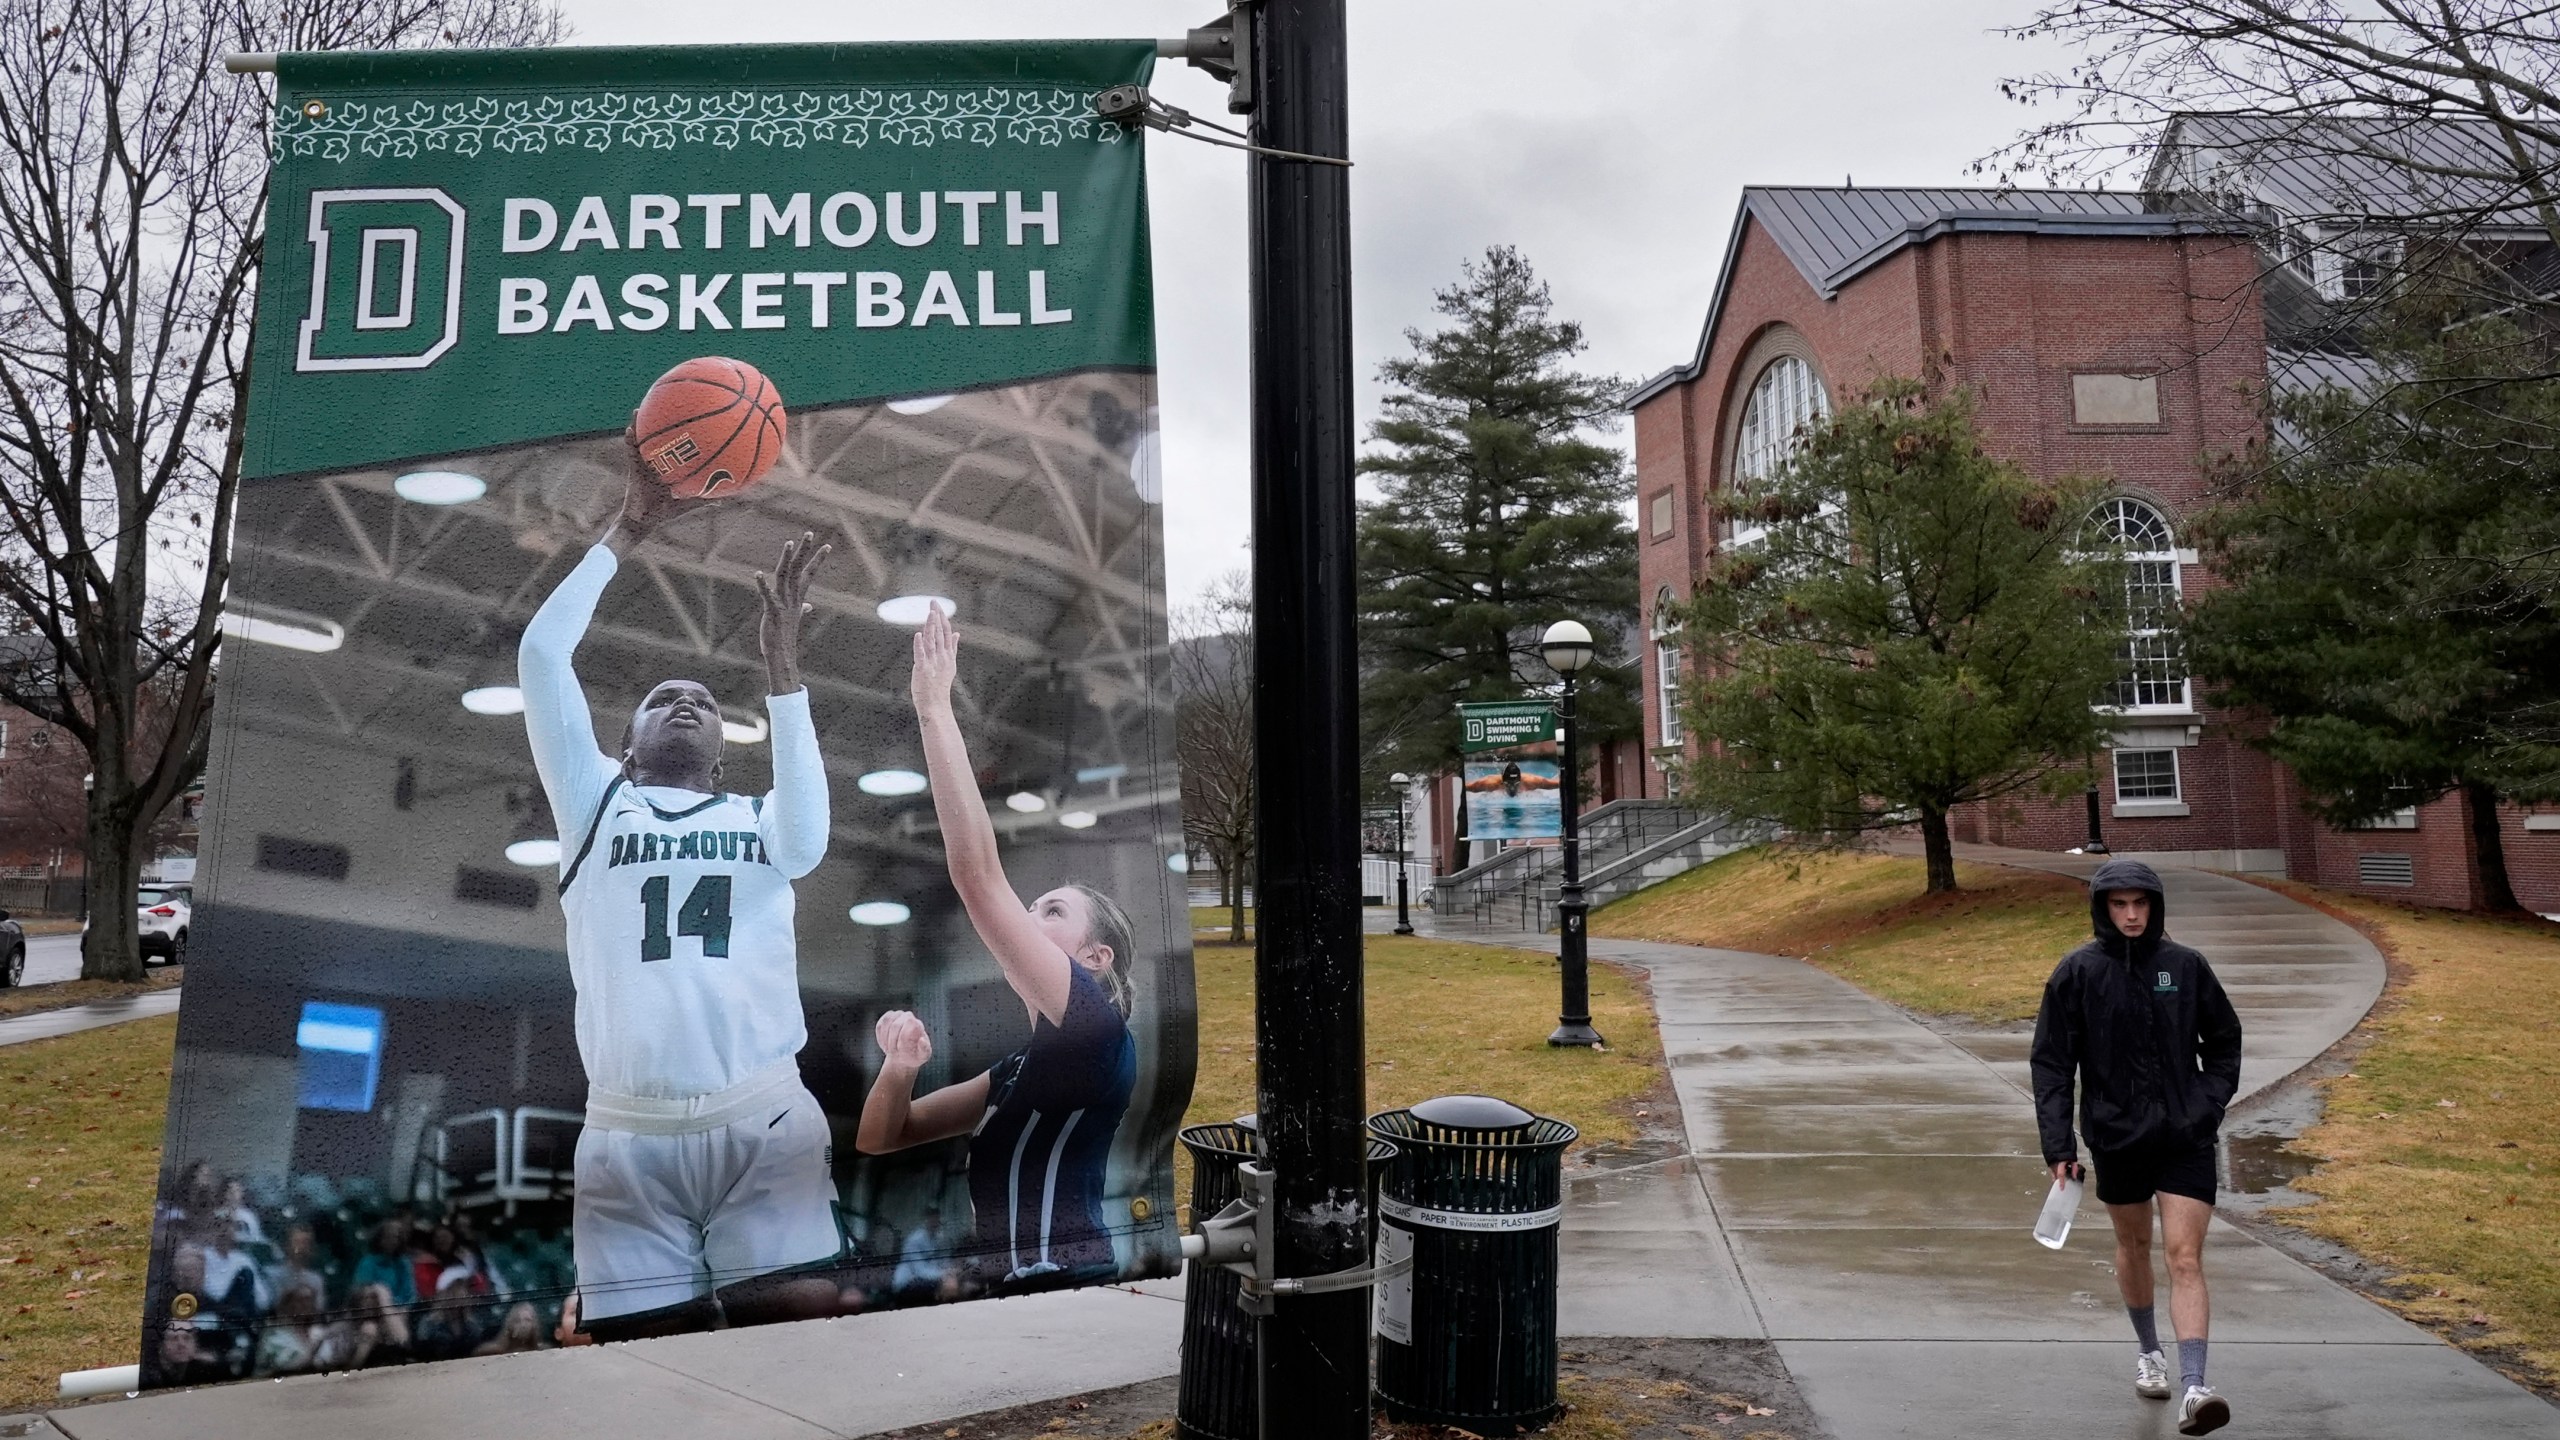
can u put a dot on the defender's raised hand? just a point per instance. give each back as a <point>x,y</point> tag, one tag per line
<point>646,503</point>
<point>903,1040</point>
<point>785,595</point>
<point>937,650</point>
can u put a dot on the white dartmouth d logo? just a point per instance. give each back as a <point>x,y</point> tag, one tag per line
<point>375,319</point>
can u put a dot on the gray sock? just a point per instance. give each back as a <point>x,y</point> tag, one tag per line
<point>2191,1362</point>
<point>2145,1328</point>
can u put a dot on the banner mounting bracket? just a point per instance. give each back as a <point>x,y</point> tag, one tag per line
<point>1133,107</point>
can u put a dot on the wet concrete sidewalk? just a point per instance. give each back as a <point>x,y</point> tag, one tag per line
<point>1861,1188</point>
<point>71,1019</point>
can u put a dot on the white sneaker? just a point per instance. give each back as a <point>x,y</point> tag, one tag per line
<point>2151,1376</point>
<point>2202,1412</point>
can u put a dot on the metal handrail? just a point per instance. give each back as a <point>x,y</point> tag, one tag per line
<point>1517,883</point>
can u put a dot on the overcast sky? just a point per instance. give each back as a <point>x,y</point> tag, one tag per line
<point>1608,139</point>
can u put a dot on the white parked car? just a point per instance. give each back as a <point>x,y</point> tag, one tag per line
<point>164,917</point>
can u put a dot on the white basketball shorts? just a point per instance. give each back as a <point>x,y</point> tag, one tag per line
<point>662,1219</point>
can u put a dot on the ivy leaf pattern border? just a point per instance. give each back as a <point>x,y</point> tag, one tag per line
<point>918,118</point>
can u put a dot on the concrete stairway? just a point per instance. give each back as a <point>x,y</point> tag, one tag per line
<point>1626,845</point>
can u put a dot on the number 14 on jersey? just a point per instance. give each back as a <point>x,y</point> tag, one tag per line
<point>705,913</point>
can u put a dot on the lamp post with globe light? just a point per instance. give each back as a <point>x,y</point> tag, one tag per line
<point>1404,794</point>
<point>1569,650</point>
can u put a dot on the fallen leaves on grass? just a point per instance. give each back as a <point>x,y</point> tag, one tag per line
<point>2470,1031</point>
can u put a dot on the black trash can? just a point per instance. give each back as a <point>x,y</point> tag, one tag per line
<point>1468,1338</point>
<point>1219,1380</point>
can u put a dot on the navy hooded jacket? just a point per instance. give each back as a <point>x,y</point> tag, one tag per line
<point>2143,1026</point>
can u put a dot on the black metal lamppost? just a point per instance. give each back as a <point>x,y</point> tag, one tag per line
<point>1568,649</point>
<point>2096,844</point>
<point>1404,917</point>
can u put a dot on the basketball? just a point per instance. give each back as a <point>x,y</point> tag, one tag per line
<point>710,427</point>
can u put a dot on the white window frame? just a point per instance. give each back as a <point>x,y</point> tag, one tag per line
<point>2111,529</point>
<point>1785,396</point>
<point>1666,668</point>
<point>2177,777</point>
<point>2335,261</point>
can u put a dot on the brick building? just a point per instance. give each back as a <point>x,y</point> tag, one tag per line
<point>2103,334</point>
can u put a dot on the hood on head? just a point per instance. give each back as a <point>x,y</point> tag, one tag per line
<point>2126,875</point>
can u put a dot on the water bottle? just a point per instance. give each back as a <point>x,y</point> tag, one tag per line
<point>2054,1226</point>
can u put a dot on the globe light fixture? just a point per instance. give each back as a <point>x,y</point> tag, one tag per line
<point>534,853</point>
<point>439,487</point>
<point>1078,820</point>
<point>494,700</point>
<point>1023,802</point>
<point>750,731</point>
<point>1568,647</point>
<point>888,783</point>
<point>1178,863</point>
<point>878,912</point>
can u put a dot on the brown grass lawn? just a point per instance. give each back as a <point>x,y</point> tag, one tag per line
<point>80,1121</point>
<point>28,999</point>
<point>1984,951</point>
<point>1445,1018</point>
<point>2441,1146</point>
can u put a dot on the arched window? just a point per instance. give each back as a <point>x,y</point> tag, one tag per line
<point>1666,667</point>
<point>2155,669</point>
<point>1785,398</point>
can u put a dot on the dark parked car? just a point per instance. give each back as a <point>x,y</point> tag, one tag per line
<point>13,951</point>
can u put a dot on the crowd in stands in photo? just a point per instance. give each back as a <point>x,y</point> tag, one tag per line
<point>325,1275</point>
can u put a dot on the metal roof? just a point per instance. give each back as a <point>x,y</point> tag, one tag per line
<point>1834,234</point>
<point>2350,168</point>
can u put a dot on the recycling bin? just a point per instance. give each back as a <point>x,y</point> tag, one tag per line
<point>1467,1338</point>
<point>1219,1379</point>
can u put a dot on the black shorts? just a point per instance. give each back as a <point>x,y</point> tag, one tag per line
<point>2132,1177</point>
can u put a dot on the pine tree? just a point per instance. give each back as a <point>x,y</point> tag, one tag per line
<point>1913,632</point>
<point>2393,609</point>
<point>1498,514</point>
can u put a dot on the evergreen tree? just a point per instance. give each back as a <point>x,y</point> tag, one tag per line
<point>1913,632</point>
<point>1498,514</point>
<point>2392,607</point>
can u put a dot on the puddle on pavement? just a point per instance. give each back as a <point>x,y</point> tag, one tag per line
<point>2264,1164</point>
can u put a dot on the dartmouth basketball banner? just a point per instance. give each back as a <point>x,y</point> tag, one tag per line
<point>691,838</point>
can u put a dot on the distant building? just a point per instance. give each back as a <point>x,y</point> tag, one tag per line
<point>2126,335</point>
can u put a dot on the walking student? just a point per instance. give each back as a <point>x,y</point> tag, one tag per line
<point>2139,1022</point>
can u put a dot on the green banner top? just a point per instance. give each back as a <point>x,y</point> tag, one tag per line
<point>1497,724</point>
<point>468,249</point>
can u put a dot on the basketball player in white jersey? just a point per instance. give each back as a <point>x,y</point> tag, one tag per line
<point>703,1185</point>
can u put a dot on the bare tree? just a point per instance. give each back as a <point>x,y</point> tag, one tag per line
<point>2400,125</point>
<point>41,810</point>
<point>1213,734</point>
<point>133,182</point>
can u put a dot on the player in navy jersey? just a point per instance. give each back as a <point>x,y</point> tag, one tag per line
<point>703,1184</point>
<point>1040,1121</point>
